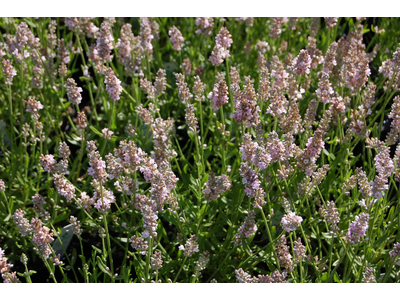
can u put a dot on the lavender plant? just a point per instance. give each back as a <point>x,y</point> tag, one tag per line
<point>258,150</point>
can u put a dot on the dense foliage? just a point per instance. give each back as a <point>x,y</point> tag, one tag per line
<point>200,150</point>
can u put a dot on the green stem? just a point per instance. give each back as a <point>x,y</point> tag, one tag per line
<point>48,268</point>
<point>222,141</point>
<point>149,253</point>
<point>10,102</point>
<point>81,154</point>
<point>176,277</point>
<point>28,277</point>
<point>113,112</point>
<point>107,235</point>
<point>270,239</point>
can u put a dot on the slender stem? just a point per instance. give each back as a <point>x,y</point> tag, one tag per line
<point>6,202</point>
<point>270,239</point>
<point>28,277</point>
<point>48,267</point>
<point>81,154</point>
<point>202,137</point>
<point>113,112</point>
<point>199,168</point>
<point>177,274</point>
<point>10,102</point>
<point>147,279</point>
<point>60,267</point>
<point>69,261</point>
<point>222,141</point>
<point>107,235</point>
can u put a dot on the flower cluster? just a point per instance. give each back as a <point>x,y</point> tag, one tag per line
<point>369,276</point>
<point>176,38</point>
<point>76,226</point>
<point>97,167</point>
<point>247,229</point>
<point>395,253</point>
<point>82,26</point>
<point>284,257</point>
<point>254,153</point>
<point>244,277</point>
<point>149,214</point>
<point>48,163</point>
<point>219,94</point>
<point>202,262</point>
<point>301,64</point>
<point>156,261</point>
<point>63,186</point>
<point>275,277</point>
<point>183,90</point>
<point>160,83</point>
<point>9,71</point>
<point>38,202</point>
<point>276,28</point>
<point>41,237</point>
<point>393,134</point>
<point>191,246</point>
<point>331,215</point>
<point>299,251</point>
<point>126,45</point>
<point>252,185</point>
<point>104,42</point>
<point>220,51</point>
<point>113,85</point>
<point>102,197</point>
<point>33,107</point>
<point>22,223</point>
<point>206,26</point>
<point>291,222</point>
<point>5,269</point>
<point>358,228</point>
<point>384,167</point>
<point>247,110</point>
<point>73,91</point>
<point>215,186</point>
<point>139,243</point>
<point>191,119</point>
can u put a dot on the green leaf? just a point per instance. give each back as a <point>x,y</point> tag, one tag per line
<point>73,139</point>
<point>61,217</point>
<point>123,240</point>
<point>82,258</point>
<point>223,215</point>
<point>336,278</point>
<point>7,218</point>
<point>10,203</point>
<point>96,131</point>
<point>29,22</point>
<point>102,265</point>
<point>330,155</point>
<point>83,78</point>
<point>326,235</point>
<point>191,135</point>
<point>97,249</point>
<point>390,214</point>
<point>335,263</point>
<point>379,241</point>
<point>74,256</point>
<point>20,179</point>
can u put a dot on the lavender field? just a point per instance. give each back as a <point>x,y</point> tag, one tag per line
<point>198,150</point>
